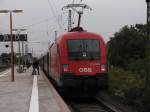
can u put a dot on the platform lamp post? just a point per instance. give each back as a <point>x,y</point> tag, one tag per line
<point>11,36</point>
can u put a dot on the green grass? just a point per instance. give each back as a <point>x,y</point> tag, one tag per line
<point>124,82</point>
<point>129,88</point>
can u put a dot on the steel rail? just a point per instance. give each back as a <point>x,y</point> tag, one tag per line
<point>90,105</point>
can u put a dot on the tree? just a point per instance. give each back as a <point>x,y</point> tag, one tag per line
<point>127,45</point>
<point>5,58</point>
<point>130,49</point>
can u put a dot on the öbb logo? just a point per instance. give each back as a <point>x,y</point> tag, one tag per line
<point>85,69</point>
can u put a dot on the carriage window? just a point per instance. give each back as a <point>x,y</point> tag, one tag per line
<point>83,49</point>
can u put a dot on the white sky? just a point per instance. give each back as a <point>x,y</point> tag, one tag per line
<point>106,18</point>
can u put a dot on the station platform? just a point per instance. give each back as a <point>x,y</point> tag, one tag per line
<point>29,93</point>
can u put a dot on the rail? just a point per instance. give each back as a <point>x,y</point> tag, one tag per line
<point>90,105</point>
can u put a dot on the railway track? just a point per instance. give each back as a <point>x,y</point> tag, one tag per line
<point>90,105</point>
<point>86,103</point>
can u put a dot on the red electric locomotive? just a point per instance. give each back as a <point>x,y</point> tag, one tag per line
<point>78,59</point>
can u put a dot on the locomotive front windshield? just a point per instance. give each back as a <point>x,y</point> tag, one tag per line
<point>84,49</point>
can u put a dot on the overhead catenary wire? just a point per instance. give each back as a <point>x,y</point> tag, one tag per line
<point>55,7</point>
<point>36,23</point>
<point>52,10</point>
<point>54,13</point>
<point>38,42</point>
<point>39,22</point>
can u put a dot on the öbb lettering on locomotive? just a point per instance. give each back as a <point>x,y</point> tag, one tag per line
<point>85,69</point>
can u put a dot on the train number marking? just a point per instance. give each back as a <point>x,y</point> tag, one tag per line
<point>85,69</point>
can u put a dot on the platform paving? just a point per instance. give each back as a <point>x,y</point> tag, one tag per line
<point>16,96</point>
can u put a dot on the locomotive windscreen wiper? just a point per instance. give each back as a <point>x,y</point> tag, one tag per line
<point>83,49</point>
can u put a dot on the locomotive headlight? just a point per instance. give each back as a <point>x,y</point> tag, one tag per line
<point>103,68</point>
<point>65,67</point>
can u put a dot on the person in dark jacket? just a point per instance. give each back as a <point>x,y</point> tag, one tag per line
<point>35,66</point>
<point>28,64</point>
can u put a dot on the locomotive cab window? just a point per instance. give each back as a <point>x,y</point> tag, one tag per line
<point>88,49</point>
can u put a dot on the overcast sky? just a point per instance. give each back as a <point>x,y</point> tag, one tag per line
<point>41,17</point>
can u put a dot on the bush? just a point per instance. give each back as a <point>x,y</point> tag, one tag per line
<point>122,81</point>
<point>131,88</point>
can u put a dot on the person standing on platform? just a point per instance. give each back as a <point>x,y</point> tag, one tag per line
<point>35,67</point>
